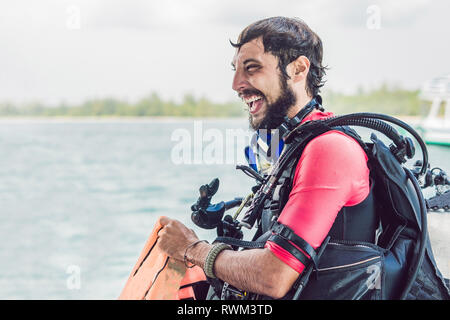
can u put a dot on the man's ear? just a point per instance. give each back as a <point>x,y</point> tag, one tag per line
<point>299,68</point>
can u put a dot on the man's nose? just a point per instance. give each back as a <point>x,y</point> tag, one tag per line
<point>239,82</point>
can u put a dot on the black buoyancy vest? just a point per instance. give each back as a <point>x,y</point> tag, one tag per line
<point>372,244</point>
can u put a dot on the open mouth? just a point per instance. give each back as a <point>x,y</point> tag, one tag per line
<point>254,103</point>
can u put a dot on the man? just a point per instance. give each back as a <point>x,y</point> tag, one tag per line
<point>278,70</point>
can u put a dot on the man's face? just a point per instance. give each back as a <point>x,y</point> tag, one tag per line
<point>260,84</point>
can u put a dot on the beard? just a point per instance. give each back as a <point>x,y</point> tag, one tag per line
<point>278,110</point>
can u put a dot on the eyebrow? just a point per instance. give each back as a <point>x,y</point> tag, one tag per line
<point>246,61</point>
<point>251,60</point>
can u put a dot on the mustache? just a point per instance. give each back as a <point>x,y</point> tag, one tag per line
<point>246,92</point>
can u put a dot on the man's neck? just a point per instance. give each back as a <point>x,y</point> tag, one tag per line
<point>301,102</point>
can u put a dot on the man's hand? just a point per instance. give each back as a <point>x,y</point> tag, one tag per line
<point>174,238</point>
<point>256,270</point>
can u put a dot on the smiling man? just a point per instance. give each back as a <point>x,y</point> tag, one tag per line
<point>278,72</point>
<point>325,191</point>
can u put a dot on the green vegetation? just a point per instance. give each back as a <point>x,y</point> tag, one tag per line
<point>394,101</point>
<point>150,106</point>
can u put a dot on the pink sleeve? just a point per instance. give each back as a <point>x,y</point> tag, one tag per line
<point>331,173</point>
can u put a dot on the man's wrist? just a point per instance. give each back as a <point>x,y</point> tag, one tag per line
<point>198,253</point>
<point>185,258</point>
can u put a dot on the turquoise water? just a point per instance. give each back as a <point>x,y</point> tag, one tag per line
<point>87,194</point>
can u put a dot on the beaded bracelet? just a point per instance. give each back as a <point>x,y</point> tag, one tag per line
<point>208,267</point>
<point>187,248</point>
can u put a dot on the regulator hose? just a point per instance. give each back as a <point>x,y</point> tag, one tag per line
<point>414,270</point>
<point>378,125</point>
<point>373,121</point>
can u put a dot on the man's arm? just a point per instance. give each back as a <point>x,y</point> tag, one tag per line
<point>255,270</point>
<point>332,172</point>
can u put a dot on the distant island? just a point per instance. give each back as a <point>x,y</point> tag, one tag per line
<point>384,99</point>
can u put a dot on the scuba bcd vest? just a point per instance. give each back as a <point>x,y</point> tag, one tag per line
<point>378,249</point>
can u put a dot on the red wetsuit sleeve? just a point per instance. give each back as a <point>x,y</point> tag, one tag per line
<point>331,173</point>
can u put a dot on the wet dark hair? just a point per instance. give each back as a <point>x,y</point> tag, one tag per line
<point>288,39</point>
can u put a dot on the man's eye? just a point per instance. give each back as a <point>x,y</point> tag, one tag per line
<point>252,67</point>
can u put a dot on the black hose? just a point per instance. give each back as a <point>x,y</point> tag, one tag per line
<point>381,126</point>
<point>249,171</point>
<point>390,132</point>
<point>414,270</point>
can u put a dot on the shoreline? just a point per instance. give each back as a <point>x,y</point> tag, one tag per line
<point>124,119</point>
<point>105,119</point>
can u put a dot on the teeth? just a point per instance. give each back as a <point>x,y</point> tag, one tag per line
<point>251,99</point>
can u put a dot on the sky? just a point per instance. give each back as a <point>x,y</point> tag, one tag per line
<point>55,51</point>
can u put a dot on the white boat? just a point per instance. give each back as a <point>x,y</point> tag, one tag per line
<point>435,128</point>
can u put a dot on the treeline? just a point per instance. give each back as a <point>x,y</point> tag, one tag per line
<point>150,106</point>
<point>394,101</point>
<point>385,99</point>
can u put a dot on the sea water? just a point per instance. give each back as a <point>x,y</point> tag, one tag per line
<point>78,199</point>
